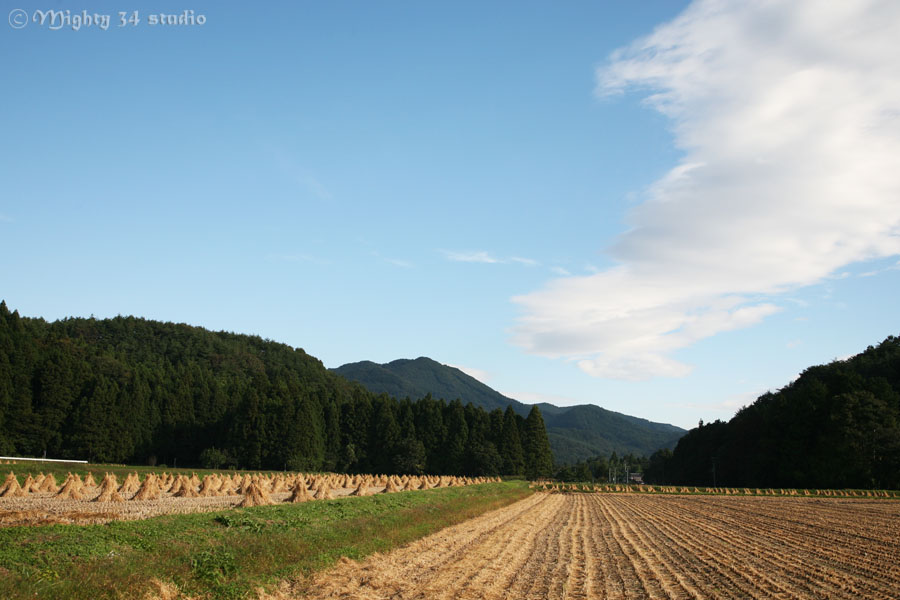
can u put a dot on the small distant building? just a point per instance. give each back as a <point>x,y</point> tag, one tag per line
<point>636,478</point>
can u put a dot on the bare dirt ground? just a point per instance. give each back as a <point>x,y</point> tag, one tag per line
<point>577,546</point>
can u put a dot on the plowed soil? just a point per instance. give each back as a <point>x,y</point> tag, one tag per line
<point>563,546</point>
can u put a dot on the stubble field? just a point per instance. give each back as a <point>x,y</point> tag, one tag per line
<point>582,545</point>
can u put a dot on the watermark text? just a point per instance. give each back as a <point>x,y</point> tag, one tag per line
<point>56,20</point>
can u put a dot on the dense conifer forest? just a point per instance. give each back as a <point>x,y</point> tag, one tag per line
<point>836,426</point>
<point>130,390</point>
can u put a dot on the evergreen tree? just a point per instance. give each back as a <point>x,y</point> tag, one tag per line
<point>538,457</point>
<point>385,435</point>
<point>511,452</point>
<point>457,438</point>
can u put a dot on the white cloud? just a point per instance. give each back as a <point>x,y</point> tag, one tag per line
<point>538,398</point>
<point>473,257</point>
<point>397,262</point>
<point>299,258</point>
<point>482,376</point>
<point>300,175</point>
<point>480,256</point>
<point>788,114</point>
<point>730,405</point>
<point>561,271</point>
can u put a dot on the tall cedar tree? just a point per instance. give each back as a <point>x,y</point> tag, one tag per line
<point>511,445</point>
<point>538,457</point>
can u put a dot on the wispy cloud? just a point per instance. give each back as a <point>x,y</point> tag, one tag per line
<point>404,264</point>
<point>5,218</point>
<point>727,406</point>
<point>479,374</point>
<point>537,398</point>
<point>299,174</point>
<point>481,256</point>
<point>311,183</point>
<point>788,115</point>
<point>397,262</point>
<point>894,267</point>
<point>471,257</point>
<point>299,258</point>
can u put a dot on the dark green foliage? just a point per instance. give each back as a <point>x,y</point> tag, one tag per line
<point>511,445</point>
<point>457,437</point>
<point>836,426</point>
<point>144,392</point>
<point>538,458</point>
<point>422,376</point>
<point>576,432</point>
<point>213,458</point>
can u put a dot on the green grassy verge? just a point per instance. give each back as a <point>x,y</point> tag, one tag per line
<point>228,554</point>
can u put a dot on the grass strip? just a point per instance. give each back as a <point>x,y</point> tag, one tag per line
<point>228,554</point>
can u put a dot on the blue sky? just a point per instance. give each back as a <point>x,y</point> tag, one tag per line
<point>662,208</point>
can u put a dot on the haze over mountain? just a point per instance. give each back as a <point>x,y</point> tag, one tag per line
<point>576,432</point>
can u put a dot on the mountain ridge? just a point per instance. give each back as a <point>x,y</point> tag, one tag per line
<point>575,432</point>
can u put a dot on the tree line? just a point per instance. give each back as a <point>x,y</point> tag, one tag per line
<point>837,426</point>
<point>131,390</point>
<point>615,469</point>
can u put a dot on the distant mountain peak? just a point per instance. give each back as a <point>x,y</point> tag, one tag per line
<point>576,432</point>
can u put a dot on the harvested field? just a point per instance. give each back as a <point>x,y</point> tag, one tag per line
<point>49,507</point>
<point>641,546</point>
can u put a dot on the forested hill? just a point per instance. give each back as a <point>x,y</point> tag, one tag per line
<point>422,376</point>
<point>576,432</point>
<point>836,426</point>
<point>139,391</point>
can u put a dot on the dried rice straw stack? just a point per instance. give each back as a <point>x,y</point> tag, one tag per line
<point>9,479</point>
<point>227,488</point>
<point>187,489</point>
<point>149,490</point>
<point>300,493</point>
<point>323,492</point>
<point>36,486</point>
<point>71,490</point>
<point>278,485</point>
<point>12,489</point>
<point>255,495</point>
<point>131,484</point>
<point>176,486</point>
<point>210,486</point>
<point>108,490</point>
<point>361,490</point>
<point>49,484</point>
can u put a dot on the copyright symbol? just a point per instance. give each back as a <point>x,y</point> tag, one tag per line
<point>18,18</point>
